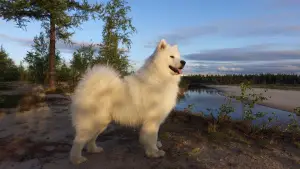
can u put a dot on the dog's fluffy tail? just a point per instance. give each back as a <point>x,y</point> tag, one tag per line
<point>96,85</point>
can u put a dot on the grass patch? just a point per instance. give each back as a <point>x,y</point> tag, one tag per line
<point>9,101</point>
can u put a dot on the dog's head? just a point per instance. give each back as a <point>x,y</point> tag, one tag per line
<point>167,58</point>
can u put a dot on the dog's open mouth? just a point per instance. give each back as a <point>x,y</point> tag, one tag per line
<point>176,70</point>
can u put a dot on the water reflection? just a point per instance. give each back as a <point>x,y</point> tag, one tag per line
<point>208,98</point>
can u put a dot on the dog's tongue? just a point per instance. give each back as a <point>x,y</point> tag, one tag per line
<point>179,71</point>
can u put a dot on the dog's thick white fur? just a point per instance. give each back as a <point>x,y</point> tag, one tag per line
<point>142,99</point>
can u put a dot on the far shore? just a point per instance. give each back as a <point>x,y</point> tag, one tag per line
<point>286,100</point>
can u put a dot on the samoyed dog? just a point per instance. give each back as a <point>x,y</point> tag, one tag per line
<point>143,99</point>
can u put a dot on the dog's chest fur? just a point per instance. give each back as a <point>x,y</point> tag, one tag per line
<point>162,97</point>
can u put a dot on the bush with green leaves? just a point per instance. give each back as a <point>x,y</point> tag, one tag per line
<point>37,59</point>
<point>8,70</point>
<point>297,111</point>
<point>249,99</point>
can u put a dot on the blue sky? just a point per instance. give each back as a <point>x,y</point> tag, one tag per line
<point>232,36</point>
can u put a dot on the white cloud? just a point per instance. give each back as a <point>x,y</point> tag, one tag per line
<point>230,69</point>
<point>291,68</point>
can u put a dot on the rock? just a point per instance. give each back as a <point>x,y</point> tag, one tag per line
<point>49,148</point>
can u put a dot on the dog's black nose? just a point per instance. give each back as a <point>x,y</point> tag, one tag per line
<point>182,62</point>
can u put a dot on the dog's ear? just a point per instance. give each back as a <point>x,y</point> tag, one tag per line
<point>162,44</point>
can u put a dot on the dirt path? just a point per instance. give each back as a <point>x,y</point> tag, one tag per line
<point>286,100</point>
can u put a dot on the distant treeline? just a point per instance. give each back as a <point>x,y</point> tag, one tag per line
<point>280,79</point>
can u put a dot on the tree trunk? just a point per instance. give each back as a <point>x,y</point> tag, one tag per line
<point>52,55</point>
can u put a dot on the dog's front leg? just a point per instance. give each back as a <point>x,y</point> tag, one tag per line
<point>159,144</point>
<point>148,137</point>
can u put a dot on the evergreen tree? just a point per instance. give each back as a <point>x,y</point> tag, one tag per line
<point>57,16</point>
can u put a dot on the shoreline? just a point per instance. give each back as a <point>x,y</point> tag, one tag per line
<point>286,100</point>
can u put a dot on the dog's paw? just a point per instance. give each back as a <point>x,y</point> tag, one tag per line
<point>158,144</point>
<point>78,160</point>
<point>95,149</point>
<point>155,154</point>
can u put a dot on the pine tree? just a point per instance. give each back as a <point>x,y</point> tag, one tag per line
<point>57,17</point>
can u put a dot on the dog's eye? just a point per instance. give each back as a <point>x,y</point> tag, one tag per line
<point>172,57</point>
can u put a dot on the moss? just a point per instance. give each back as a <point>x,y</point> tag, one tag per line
<point>195,151</point>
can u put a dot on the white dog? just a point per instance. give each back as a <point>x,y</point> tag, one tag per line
<point>143,99</point>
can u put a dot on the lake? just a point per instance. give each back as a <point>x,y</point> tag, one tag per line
<point>208,98</point>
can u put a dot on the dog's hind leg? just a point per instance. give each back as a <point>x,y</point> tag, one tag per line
<point>81,138</point>
<point>91,145</point>
<point>148,137</point>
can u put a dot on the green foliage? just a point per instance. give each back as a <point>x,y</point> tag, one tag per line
<point>293,126</point>
<point>267,125</point>
<point>37,59</point>
<point>23,72</point>
<point>116,34</point>
<point>58,17</point>
<point>64,72</point>
<point>297,111</point>
<point>8,70</point>
<point>83,58</point>
<point>66,14</point>
<point>223,113</point>
<point>249,100</point>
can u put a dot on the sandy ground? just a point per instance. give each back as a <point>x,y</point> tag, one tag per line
<point>41,139</point>
<point>286,100</point>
